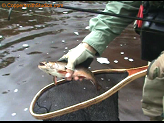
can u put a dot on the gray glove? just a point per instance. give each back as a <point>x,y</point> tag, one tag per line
<point>79,55</point>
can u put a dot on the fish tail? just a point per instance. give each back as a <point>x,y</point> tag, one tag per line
<point>94,81</point>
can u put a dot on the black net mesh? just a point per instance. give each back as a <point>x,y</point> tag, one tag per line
<point>74,92</point>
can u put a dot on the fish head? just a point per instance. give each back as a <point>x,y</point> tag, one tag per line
<point>51,68</point>
<point>46,67</point>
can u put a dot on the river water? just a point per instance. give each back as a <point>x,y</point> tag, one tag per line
<point>33,35</point>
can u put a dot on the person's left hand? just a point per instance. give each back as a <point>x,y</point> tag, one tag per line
<point>156,68</point>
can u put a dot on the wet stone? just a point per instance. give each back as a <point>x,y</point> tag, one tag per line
<point>87,27</point>
<point>126,58</point>
<point>13,114</point>
<point>131,60</point>
<point>65,12</point>
<point>66,48</point>
<point>121,53</point>
<point>63,41</point>
<point>24,8</point>
<point>40,8</point>
<point>76,33</point>
<point>16,90</point>
<point>39,11</point>
<point>39,26</point>
<point>115,61</point>
<point>25,109</point>
<point>34,20</point>
<point>103,60</point>
<point>27,14</point>
<point>25,45</point>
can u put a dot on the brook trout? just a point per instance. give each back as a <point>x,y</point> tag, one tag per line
<point>57,69</point>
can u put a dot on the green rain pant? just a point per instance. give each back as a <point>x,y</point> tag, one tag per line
<point>153,98</point>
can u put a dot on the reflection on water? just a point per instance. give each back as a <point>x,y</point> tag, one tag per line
<point>36,52</point>
<point>26,24</point>
<point>7,74</point>
<point>30,36</point>
<point>26,36</point>
<point>5,92</point>
<point>7,61</point>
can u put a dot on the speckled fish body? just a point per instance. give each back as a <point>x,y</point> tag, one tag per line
<point>57,69</point>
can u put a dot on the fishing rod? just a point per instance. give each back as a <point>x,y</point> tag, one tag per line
<point>98,12</point>
<point>10,10</point>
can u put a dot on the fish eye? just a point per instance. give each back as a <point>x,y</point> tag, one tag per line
<point>41,64</point>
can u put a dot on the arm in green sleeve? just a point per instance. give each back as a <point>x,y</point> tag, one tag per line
<point>105,28</point>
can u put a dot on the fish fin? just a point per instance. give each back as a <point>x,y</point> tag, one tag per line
<point>55,80</point>
<point>98,87</point>
<point>62,71</point>
<point>94,82</point>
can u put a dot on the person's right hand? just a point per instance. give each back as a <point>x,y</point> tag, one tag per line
<point>82,54</point>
